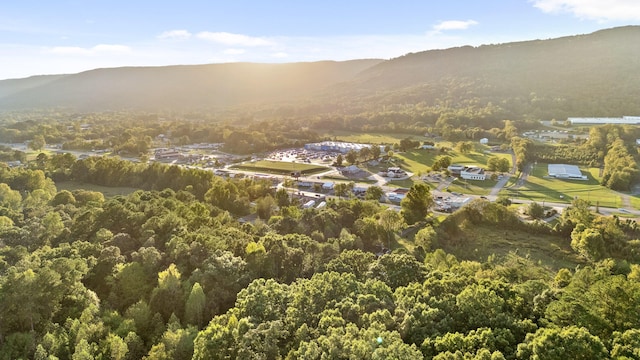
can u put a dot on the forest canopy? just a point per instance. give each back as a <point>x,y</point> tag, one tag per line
<point>171,273</point>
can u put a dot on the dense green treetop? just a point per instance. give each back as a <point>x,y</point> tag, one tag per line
<point>170,273</point>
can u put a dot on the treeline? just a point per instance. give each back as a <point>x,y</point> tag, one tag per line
<point>253,133</point>
<point>620,167</point>
<point>234,196</point>
<point>8,154</point>
<point>114,131</point>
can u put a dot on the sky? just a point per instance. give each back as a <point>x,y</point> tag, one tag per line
<point>41,37</point>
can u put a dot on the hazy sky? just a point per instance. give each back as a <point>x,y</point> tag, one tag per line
<point>67,36</point>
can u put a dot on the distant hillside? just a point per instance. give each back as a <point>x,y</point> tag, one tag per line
<point>584,75</point>
<point>180,87</point>
<point>590,75</point>
<point>13,86</point>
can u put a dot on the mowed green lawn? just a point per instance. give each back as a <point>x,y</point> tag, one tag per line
<point>539,188</point>
<point>372,138</point>
<point>472,187</point>
<point>281,167</point>
<point>420,161</point>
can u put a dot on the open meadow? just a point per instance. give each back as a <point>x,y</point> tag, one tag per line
<point>482,242</point>
<point>420,161</point>
<point>472,187</point>
<point>372,138</point>
<point>280,167</point>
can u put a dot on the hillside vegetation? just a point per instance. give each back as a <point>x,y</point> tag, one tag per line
<point>585,75</point>
<point>181,87</point>
<point>167,272</point>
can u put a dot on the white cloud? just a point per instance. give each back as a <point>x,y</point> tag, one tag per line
<point>96,50</point>
<point>110,48</point>
<point>280,55</point>
<point>233,39</point>
<point>453,25</point>
<point>234,51</point>
<point>175,34</point>
<point>610,10</point>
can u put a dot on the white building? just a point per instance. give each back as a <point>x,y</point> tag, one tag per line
<point>473,173</point>
<point>455,169</point>
<point>467,172</point>
<point>395,172</point>
<point>563,171</point>
<point>484,141</point>
<point>625,120</point>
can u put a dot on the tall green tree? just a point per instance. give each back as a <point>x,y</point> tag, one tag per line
<point>416,204</point>
<point>351,157</point>
<point>168,297</point>
<point>373,193</point>
<point>195,307</point>
<point>37,143</point>
<point>562,343</point>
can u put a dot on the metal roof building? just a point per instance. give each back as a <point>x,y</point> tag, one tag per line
<point>626,120</point>
<point>564,171</point>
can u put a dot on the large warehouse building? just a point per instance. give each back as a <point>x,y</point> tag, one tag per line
<point>625,120</point>
<point>563,171</point>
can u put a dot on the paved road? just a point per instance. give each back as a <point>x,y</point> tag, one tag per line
<point>499,185</point>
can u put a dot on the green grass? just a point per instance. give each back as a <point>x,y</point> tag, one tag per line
<point>281,167</point>
<point>635,202</point>
<point>472,187</point>
<point>480,242</point>
<point>372,138</point>
<point>107,191</point>
<point>420,161</point>
<point>406,183</point>
<point>539,188</point>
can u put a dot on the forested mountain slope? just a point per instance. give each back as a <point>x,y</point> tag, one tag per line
<point>13,86</point>
<point>182,87</point>
<point>584,75</point>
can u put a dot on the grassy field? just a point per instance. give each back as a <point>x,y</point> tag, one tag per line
<point>106,190</point>
<point>635,202</point>
<point>372,138</point>
<point>420,161</point>
<point>480,242</point>
<point>539,188</point>
<point>281,167</point>
<point>472,187</point>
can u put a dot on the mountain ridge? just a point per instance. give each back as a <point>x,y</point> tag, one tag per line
<point>182,86</point>
<point>599,68</point>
